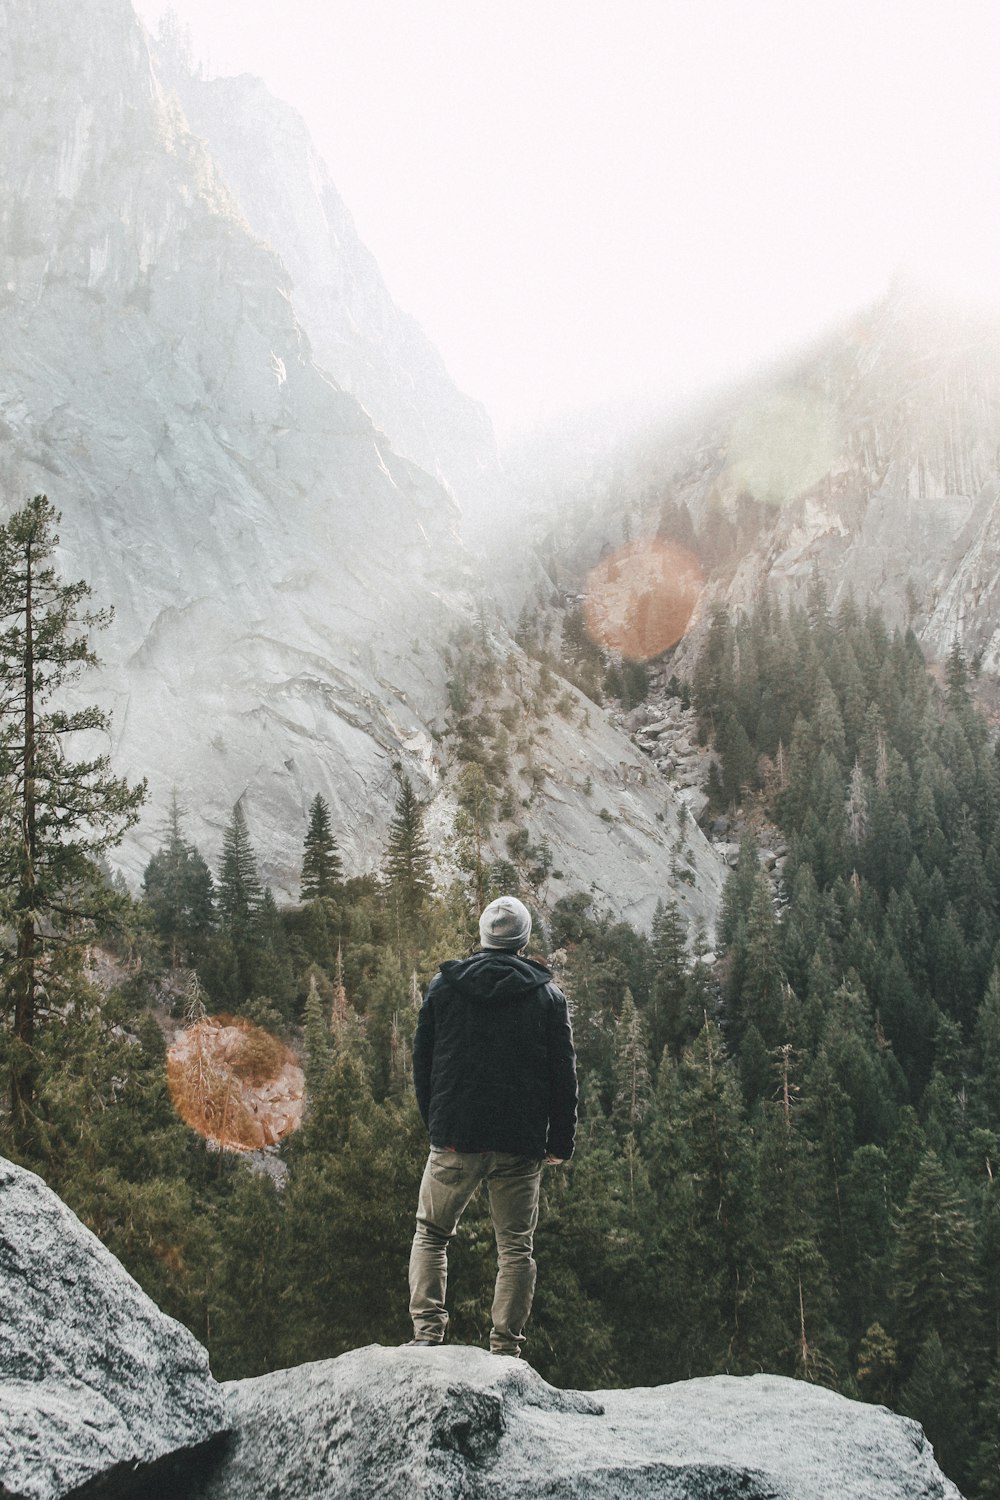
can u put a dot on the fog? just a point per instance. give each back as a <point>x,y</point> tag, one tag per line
<point>593,201</point>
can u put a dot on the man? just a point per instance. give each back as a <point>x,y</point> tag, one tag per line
<point>495,1075</point>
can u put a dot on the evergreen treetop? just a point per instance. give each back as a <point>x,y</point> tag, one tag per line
<point>321,867</point>
<point>240,891</point>
<point>408,864</point>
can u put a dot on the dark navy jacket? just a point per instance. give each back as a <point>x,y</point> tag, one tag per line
<point>493,1059</point>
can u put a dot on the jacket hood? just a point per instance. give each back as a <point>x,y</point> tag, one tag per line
<point>495,975</point>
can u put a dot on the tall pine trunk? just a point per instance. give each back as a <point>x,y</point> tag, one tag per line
<point>23,1063</point>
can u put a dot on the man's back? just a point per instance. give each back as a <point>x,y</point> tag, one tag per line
<point>493,1060</point>
<point>495,1075</point>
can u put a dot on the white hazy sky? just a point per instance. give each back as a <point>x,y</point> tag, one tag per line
<point>590,199</point>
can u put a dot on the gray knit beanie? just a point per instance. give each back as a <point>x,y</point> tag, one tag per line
<point>506,923</point>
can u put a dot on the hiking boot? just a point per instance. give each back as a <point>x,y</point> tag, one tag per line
<point>422,1344</point>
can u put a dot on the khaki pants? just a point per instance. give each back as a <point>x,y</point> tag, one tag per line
<point>449,1181</point>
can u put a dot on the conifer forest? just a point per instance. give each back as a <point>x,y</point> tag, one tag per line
<point>788,1149</point>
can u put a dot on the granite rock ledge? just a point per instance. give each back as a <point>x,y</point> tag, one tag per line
<point>459,1424</point>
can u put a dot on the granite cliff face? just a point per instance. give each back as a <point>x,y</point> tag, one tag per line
<point>380,354</point>
<point>99,1389</point>
<point>272,561</point>
<point>285,582</point>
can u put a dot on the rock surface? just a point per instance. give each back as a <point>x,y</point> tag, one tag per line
<point>460,1424</point>
<point>94,1380</point>
<point>896,491</point>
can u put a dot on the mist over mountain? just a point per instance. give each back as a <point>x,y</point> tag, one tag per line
<point>873,455</point>
<point>199,360</point>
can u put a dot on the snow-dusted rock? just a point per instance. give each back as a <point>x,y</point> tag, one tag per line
<point>457,1422</point>
<point>94,1380</point>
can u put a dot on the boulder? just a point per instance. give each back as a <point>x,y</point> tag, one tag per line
<point>457,1422</point>
<point>95,1382</point>
<point>695,800</point>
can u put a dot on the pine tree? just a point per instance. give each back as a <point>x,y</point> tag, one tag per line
<point>273,978</point>
<point>713,1146</point>
<point>318,1035</point>
<point>757,983</point>
<point>57,815</point>
<point>935,1265</point>
<point>669,1022</point>
<point>865,1243</point>
<point>631,1068</point>
<point>937,1396</point>
<point>321,867</point>
<point>240,890</point>
<point>407,864</point>
<point>877,1365</point>
<point>247,1279</point>
<point>472,828</point>
<point>177,885</point>
<point>988,1048</point>
<point>956,676</point>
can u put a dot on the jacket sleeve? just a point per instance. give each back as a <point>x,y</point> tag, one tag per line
<point>562,1078</point>
<point>423,1054</point>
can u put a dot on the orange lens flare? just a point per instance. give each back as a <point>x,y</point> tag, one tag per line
<point>235,1083</point>
<point>641,598</point>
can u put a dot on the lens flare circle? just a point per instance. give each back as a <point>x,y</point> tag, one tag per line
<point>640,599</point>
<point>235,1083</point>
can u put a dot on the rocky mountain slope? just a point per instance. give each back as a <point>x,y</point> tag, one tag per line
<point>380,354</point>
<point>270,558</point>
<point>874,455</point>
<point>101,1390</point>
<point>286,584</point>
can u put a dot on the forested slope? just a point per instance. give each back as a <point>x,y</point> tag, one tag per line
<point>787,1159</point>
